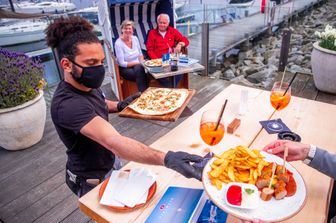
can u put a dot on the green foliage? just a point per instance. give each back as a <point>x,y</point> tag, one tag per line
<point>327,38</point>
<point>21,78</point>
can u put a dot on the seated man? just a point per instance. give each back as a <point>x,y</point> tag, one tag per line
<point>165,39</point>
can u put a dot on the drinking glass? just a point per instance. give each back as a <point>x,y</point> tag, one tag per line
<point>211,134</point>
<point>279,100</point>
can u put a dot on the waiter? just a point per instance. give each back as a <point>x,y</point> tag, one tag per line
<point>80,112</point>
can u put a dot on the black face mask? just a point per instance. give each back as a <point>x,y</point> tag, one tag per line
<point>91,77</point>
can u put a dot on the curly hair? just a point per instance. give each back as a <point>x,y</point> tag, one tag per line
<point>64,34</point>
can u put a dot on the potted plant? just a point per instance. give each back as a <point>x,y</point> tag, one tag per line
<point>323,60</point>
<point>22,106</point>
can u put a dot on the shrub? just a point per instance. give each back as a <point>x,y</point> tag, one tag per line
<point>21,78</point>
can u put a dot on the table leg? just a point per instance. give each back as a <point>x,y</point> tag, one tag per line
<point>174,82</point>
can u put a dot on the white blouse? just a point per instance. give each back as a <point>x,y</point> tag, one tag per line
<point>125,54</point>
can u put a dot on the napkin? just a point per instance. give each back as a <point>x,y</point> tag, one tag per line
<point>128,188</point>
<point>117,181</point>
<point>138,183</point>
<point>267,125</point>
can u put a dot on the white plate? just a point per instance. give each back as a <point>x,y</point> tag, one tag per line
<point>269,211</point>
<point>249,201</point>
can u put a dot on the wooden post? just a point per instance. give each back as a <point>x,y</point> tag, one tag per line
<point>11,5</point>
<point>205,48</point>
<point>285,44</point>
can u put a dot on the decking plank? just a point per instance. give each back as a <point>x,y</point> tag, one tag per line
<point>76,216</point>
<point>30,197</point>
<point>42,206</point>
<point>63,208</point>
<point>33,175</point>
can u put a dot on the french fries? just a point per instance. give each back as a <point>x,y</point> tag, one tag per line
<point>239,164</point>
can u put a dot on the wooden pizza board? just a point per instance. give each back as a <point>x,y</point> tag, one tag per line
<point>173,116</point>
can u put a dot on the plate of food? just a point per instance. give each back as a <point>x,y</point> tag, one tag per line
<point>159,101</point>
<point>277,201</point>
<point>153,63</point>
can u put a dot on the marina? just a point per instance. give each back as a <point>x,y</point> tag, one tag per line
<point>33,180</point>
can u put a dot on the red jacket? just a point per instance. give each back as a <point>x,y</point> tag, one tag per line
<point>157,45</point>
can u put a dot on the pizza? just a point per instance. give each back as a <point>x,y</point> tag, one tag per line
<point>159,101</point>
<point>154,63</point>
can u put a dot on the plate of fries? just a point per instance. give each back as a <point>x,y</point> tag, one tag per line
<point>244,165</point>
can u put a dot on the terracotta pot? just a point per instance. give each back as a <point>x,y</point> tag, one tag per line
<point>323,62</point>
<point>22,126</point>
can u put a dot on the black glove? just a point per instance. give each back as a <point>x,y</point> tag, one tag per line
<point>180,162</point>
<point>124,103</point>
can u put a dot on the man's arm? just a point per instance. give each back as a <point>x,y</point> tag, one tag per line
<point>180,39</point>
<point>103,132</point>
<point>324,162</point>
<point>150,45</point>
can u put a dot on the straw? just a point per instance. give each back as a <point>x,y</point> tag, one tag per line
<point>283,75</point>
<point>273,171</point>
<point>221,114</point>
<point>290,83</point>
<point>218,120</point>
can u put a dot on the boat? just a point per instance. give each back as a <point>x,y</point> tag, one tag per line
<point>15,32</point>
<point>241,3</point>
<point>91,14</point>
<point>44,7</point>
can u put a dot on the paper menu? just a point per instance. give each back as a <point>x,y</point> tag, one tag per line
<point>128,188</point>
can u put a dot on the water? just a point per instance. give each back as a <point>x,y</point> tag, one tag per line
<point>40,50</point>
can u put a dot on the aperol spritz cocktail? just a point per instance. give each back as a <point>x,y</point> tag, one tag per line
<point>278,98</point>
<point>210,132</point>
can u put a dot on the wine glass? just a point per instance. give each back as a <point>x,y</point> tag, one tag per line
<point>211,132</point>
<point>279,100</point>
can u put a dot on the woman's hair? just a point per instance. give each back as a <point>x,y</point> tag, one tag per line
<point>127,23</point>
<point>65,34</point>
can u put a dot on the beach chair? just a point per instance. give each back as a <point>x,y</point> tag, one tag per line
<point>144,14</point>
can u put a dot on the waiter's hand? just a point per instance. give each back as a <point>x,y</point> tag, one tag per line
<point>182,163</point>
<point>124,103</point>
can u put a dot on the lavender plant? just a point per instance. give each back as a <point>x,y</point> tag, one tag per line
<point>21,78</point>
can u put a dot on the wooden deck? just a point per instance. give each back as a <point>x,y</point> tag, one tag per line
<point>32,181</point>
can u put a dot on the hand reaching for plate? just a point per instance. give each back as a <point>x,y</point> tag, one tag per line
<point>296,150</point>
<point>181,162</point>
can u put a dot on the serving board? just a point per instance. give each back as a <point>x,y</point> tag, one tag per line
<point>173,116</point>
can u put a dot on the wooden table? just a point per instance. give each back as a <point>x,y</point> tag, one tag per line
<point>313,128</point>
<point>181,70</point>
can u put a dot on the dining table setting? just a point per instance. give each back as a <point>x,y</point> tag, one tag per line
<point>240,181</point>
<point>171,65</point>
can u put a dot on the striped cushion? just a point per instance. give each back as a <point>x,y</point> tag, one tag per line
<point>142,13</point>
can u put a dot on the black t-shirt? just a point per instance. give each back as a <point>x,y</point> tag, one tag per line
<point>71,110</point>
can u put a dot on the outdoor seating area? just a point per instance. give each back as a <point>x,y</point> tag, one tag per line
<point>131,119</point>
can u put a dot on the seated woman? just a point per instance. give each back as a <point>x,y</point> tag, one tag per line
<point>129,55</point>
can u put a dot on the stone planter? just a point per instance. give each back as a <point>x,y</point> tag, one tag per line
<point>323,62</point>
<point>22,126</point>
